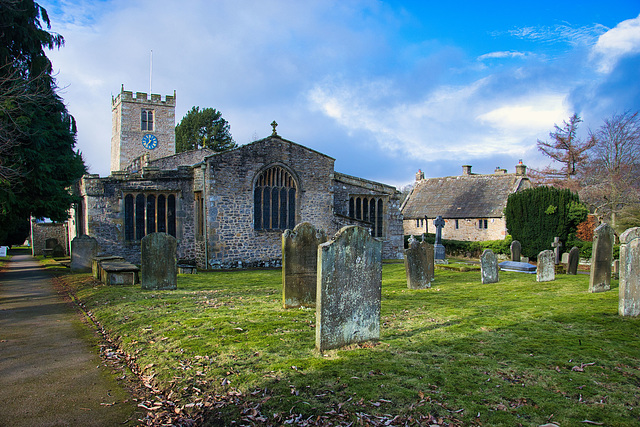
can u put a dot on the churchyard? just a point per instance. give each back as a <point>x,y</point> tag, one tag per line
<point>222,347</point>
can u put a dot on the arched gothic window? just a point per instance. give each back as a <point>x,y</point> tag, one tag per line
<point>274,200</point>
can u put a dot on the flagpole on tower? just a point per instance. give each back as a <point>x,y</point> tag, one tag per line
<point>150,73</point>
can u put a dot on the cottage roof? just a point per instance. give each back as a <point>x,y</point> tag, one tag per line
<point>465,196</point>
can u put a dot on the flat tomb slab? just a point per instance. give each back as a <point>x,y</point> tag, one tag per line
<point>95,263</point>
<point>521,267</point>
<point>119,273</point>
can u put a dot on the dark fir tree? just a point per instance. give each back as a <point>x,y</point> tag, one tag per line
<point>536,215</point>
<point>203,128</point>
<point>37,134</point>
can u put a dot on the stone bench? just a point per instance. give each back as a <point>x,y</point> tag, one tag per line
<point>95,263</point>
<point>118,273</point>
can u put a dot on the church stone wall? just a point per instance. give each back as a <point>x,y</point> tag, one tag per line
<point>229,195</point>
<point>345,187</point>
<point>103,208</point>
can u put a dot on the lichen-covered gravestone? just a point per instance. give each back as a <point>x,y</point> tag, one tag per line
<point>159,266</point>
<point>299,265</point>
<point>349,289</point>
<point>572,261</point>
<point>601,258</point>
<point>629,298</point>
<point>489,266</point>
<point>516,250</point>
<point>418,264</point>
<point>546,270</point>
<point>83,249</point>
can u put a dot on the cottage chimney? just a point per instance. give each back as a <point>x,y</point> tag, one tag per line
<point>419,175</point>
<point>521,169</point>
<point>499,170</point>
<point>466,169</point>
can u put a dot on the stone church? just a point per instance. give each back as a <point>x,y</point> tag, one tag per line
<point>226,209</point>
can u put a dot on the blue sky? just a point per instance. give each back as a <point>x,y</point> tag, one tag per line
<point>384,87</point>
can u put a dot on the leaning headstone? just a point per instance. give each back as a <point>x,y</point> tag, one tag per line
<point>418,264</point>
<point>83,249</point>
<point>629,298</point>
<point>158,268</point>
<point>349,289</point>
<point>489,266</point>
<point>572,260</point>
<point>516,250</point>
<point>601,258</point>
<point>556,245</point>
<point>546,270</point>
<point>299,265</point>
<point>438,248</point>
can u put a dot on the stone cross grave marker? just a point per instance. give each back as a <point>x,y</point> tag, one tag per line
<point>439,251</point>
<point>299,265</point>
<point>489,266</point>
<point>629,292</point>
<point>572,261</point>
<point>546,270</point>
<point>159,267</point>
<point>516,250</point>
<point>83,249</point>
<point>418,264</point>
<point>556,249</point>
<point>601,258</point>
<point>349,289</point>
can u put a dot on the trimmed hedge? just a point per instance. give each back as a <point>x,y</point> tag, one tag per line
<point>466,248</point>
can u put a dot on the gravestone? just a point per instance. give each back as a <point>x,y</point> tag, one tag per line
<point>418,264</point>
<point>546,270</point>
<point>572,261</point>
<point>83,249</point>
<point>49,246</point>
<point>159,268</point>
<point>349,289</point>
<point>439,251</point>
<point>58,251</point>
<point>616,268</point>
<point>516,250</point>
<point>601,258</point>
<point>3,251</point>
<point>489,266</point>
<point>299,265</point>
<point>556,249</point>
<point>565,258</point>
<point>629,292</point>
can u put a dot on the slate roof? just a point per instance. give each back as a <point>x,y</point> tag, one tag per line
<point>464,196</point>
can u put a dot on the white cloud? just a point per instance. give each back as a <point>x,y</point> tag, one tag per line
<point>619,41</point>
<point>502,54</point>
<point>561,33</point>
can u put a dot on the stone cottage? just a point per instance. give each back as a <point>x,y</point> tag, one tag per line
<point>226,209</point>
<point>472,205</point>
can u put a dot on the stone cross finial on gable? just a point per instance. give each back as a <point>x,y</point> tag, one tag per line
<point>274,125</point>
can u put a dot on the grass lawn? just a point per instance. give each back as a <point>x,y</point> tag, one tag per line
<point>511,353</point>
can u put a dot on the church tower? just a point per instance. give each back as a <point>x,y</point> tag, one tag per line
<point>141,126</point>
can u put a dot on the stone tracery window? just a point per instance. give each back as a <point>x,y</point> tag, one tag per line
<point>274,200</point>
<point>148,213</point>
<point>370,210</point>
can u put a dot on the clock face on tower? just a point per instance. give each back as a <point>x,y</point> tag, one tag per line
<point>149,141</point>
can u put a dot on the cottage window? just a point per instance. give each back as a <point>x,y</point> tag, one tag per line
<point>483,224</point>
<point>274,200</point>
<point>146,120</point>
<point>457,225</point>
<point>148,213</point>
